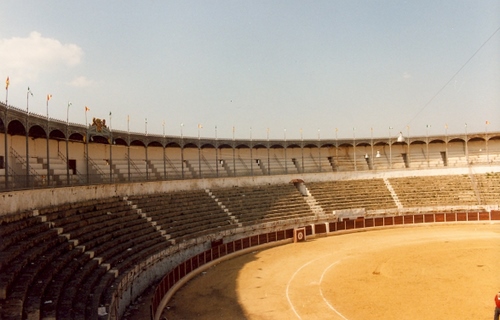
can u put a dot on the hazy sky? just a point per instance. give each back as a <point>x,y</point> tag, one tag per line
<point>359,66</point>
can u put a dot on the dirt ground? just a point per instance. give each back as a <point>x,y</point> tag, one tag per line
<point>426,272</point>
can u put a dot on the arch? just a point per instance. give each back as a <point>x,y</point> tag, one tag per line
<point>345,145</point>
<point>138,143</point>
<point>57,135</point>
<point>437,141</point>
<point>363,144</point>
<point>242,146</point>
<point>37,132</point>
<point>76,137</point>
<point>190,145</point>
<point>475,139</point>
<point>99,139</point>
<point>16,128</point>
<point>494,138</point>
<point>310,145</point>
<point>172,145</point>
<point>155,144</point>
<point>207,146</point>
<point>120,142</point>
<point>417,142</point>
<point>327,145</point>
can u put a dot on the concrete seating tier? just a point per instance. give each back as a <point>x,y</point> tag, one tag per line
<point>452,190</point>
<point>60,262</point>
<point>370,194</point>
<point>345,162</point>
<point>250,205</point>
<point>489,188</point>
<point>28,246</point>
<point>114,240</point>
<point>183,214</point>
<point>241,166</point>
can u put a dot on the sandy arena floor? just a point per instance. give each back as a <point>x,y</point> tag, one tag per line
<point>425,272</point>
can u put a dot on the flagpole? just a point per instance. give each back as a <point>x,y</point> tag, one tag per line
<point>27,141</point>
<point>86,109</point>
<point>234,155</point>
<point>199,151</point>
<point>486,139</point>
<point>48,141</point>
<point>27,99</point>
<point>49,96</point>
<point>354,147</point>
<point>390,148</point>
<point>302,149</point>
<point>67,144</point>
<point>319,148</point>
<point>128,147</point>
<point>6,151</point>
<point>251,153</point>
<point>284,136</point>
<point>7,82</point>
<point>164,147</point>
<point>87,144</point>
<point>268,154</point>
<point>110,150</point>
<point>216,154</point>
<point>67,113</point>
<point>446,143</point>
<point>182,152</point>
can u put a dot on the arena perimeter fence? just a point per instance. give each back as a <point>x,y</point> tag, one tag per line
<point>170,282</point>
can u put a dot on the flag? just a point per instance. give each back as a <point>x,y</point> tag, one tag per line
<point>200,126</point>
<point>7,82</point>
<point>487,122</point>
<point>49,96</point>
<point>87,109</point>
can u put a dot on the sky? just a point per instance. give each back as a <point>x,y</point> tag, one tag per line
<point>279,68</point>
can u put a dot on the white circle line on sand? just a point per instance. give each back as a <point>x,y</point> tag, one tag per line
<point>321,291</point>
<point>290,281</point>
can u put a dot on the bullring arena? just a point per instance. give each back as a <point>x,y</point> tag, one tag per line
<point>394,227</point>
